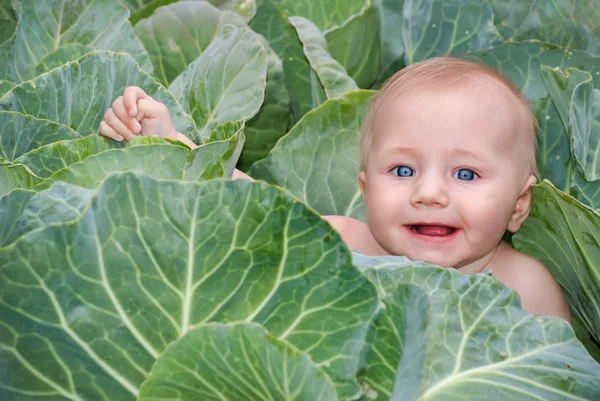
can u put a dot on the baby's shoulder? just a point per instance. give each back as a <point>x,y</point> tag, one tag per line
<point>514,265</point>
<point>355,234</point>
<point>539,291</point>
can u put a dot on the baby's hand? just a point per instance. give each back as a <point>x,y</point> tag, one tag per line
<point>136,113</point>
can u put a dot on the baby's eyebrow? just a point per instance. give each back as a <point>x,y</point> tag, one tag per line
<point>463,152</point>
<point>404,150</point>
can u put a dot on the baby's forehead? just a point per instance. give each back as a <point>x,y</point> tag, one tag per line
<point>467,102</point>
<point>474,86</point>
<point>481,111</point>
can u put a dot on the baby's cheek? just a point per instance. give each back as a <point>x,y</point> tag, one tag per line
<point>489,217</point>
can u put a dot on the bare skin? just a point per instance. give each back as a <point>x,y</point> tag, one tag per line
<point>503,189</point>
<point>539,291</point>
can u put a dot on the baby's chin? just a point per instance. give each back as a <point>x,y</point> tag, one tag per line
<point>436,257</point>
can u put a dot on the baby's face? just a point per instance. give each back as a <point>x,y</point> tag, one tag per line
<point>444,173</point>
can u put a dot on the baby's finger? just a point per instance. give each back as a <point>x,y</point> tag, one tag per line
<point>131,96</point>
<point>106,130</point>
<point>118,108</point>
<point>148,108</point>
<point>117,125</point>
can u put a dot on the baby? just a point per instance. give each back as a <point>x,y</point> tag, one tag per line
<point>447,164</point>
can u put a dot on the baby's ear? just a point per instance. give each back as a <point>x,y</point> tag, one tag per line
<point>521,211</point>
<point>362,181</point>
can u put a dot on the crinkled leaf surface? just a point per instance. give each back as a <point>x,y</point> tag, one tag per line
<point>145,8</point>
<point>333,76</point>
<point>245,8</point>
<point>587,192</point>
<point>271,122</point>
<point>226,83</point>
<point>587,340</point>
<point>564,235</point>
<point>225,131</point>
<point>522,64</point>
<point>585,117</point>
<point>20,133</point>
<point>78,93</point>
<point>554,145</point>
<point>90,304</point>
<point>578,103</point>
<point>61,56</point>
<point>238,362</point>
<point>11,208</point>
<point>60,203</point>
<point>271,20</point>
<point>44,26</point>
<point>15,176</point>
<point>402,322</point>
<point>553,150</point>
<point>47,160</point>
<point>327,16</point>
<point>390,18</point>
<point>218,158</point>
<point>446,27</point>
<point>561,86</point>
<point>163,161</point>
<point>356,45</point>
<point>5,86</point>
<point>8,21</point>
<point>568,23</point>
<point>475,340</point>
<point>318,159</point>
<point>175,35</point>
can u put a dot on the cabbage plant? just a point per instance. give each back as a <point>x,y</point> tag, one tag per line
<point>139,270</point>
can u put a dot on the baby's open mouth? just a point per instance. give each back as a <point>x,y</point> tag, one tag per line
<point>433,230</point>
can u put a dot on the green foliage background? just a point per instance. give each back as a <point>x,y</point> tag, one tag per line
<point>139,271</point>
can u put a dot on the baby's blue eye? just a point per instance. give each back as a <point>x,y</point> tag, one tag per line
<point>403,171</point>
<point>465,174</point>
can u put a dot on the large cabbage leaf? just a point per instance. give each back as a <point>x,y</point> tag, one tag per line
<point>5,86</point>
<point>177,34</point>
<point>271,122</point>
<point>8,21</point>
<point>490,346</point>
<point>61,56</point>
<point>78,94</point>
<point>523,63</point>
<point>145,8</point>
<point>318,159</point>
<point>333,76</point>
<point>166,161</point>
<point>390,14</point>
<point>21,133</point>
<point>569,23</point>
<point>48,159</point>
<point>446,27</point>
<point>268,369</point>
<point>360,55</point>
<point>271,21</point>
<point>45,26</point>
<point>87,306</point>
<point>585,117</point>
<point>578,105</point>
<point>226,82</point>
<point>11,208</point>
<point>15,176</point>
<point>565,236</point>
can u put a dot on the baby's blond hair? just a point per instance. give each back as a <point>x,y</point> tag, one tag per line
<point>440,72</point>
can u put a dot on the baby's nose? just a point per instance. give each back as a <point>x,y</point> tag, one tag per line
<point>430,192</point>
